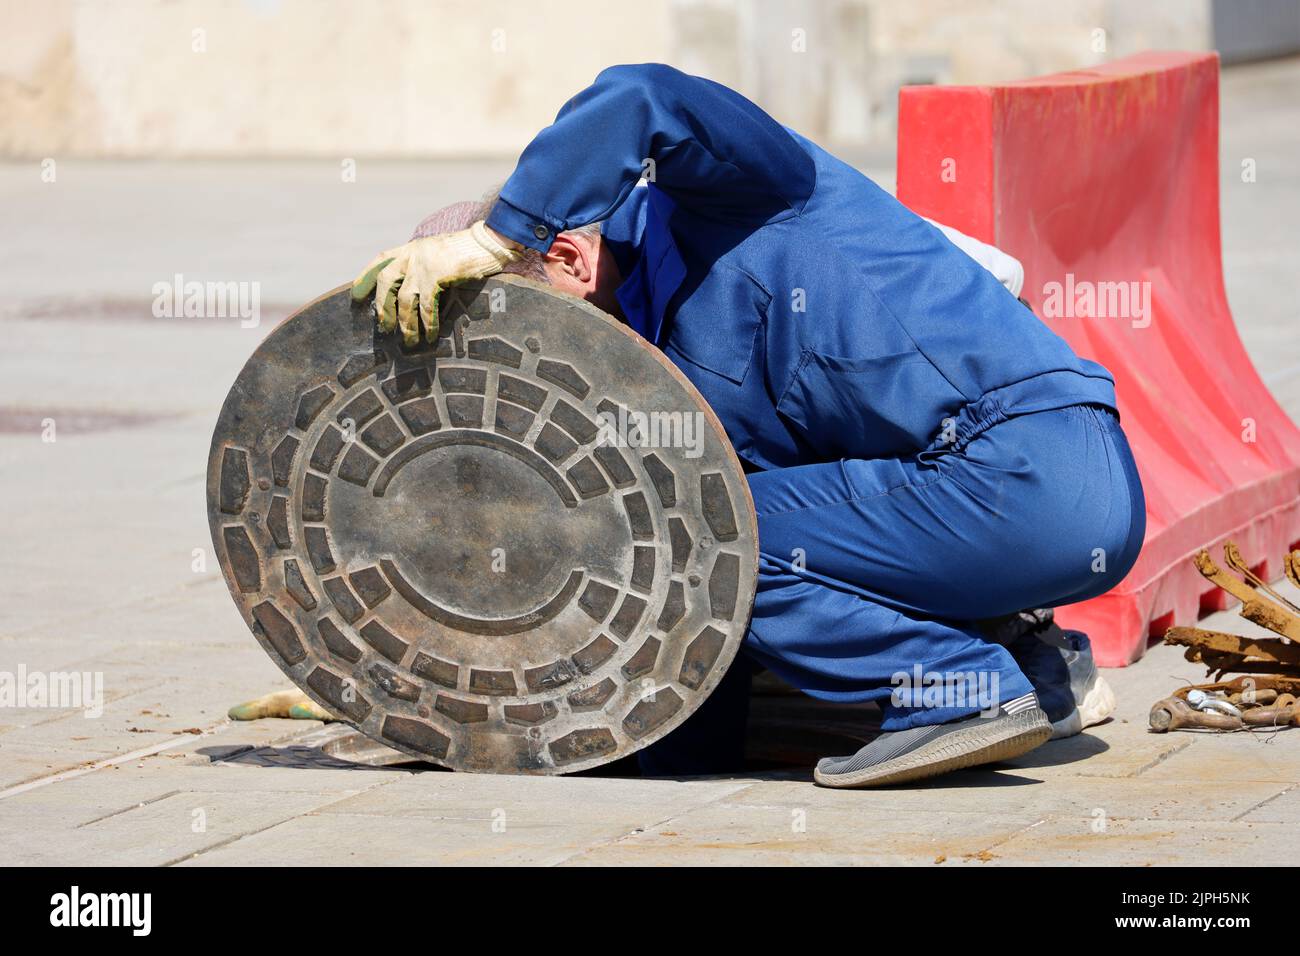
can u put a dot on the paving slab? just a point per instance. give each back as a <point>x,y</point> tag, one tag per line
<point>161,831</point>
<point>343,840</point>
<point>1019,794</point>
<point>767,835</point>
<point>1085,842</point>
<point>630,802</point>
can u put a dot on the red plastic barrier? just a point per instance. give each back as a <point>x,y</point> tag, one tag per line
<point>1111,175</point>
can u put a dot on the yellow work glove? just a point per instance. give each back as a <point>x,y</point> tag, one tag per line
<point>406,281</point>
<point>283,703</point>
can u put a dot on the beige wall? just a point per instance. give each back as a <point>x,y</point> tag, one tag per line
<point>316,77</point>
<point>260,78</point>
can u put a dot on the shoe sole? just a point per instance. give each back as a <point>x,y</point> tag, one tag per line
<point>1000,739</point>
<point>1097,705</point>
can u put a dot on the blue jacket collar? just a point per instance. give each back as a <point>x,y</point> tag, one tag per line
<point>658,272</point>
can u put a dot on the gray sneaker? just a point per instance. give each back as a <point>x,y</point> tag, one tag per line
<point>1059,665</point>
<point>1019,726</point>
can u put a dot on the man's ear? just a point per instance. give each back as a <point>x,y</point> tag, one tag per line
<point>574,258</point>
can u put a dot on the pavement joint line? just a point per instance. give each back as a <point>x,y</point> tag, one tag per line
<point>1015,833</point>
<point>70,774</point>
<point>128,809</point>
<point>228,841</point>
<point>144,752</point>
<point>614,841</point>
<point>1161,758</point>
<point>1263,803</point>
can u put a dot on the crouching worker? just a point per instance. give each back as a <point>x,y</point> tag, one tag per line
<point>928,460</point>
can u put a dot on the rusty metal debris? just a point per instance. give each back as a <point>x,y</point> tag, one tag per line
<point>1260,604</point>
<point>1261,701</point>
<point>1268,692</point>
<point>457,547</point>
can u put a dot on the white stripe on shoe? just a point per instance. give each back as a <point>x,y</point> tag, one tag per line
<point>1020,703</point>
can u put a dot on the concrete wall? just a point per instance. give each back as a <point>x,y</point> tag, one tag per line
<point>299,77</point>
<point>258,78</point>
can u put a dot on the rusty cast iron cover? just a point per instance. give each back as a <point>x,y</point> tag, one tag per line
<point>451,548</point>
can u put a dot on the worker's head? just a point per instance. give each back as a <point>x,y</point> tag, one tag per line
<point>578,262</point>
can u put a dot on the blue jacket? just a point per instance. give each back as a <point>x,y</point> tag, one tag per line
<point>818,316</point>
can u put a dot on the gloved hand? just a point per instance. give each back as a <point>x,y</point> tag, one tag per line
<point>282,703</point>
<point>406,280</point>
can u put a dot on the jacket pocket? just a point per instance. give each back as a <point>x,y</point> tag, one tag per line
<point>717,326</point>
<point>876,407</point>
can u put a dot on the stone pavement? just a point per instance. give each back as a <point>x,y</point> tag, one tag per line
<point>106,569</point>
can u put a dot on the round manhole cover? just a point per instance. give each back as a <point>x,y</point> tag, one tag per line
<point>527,548</point>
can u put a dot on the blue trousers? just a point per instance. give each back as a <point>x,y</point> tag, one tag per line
<point>871,569</point>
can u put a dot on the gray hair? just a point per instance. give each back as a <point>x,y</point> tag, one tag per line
<point>461,215</point>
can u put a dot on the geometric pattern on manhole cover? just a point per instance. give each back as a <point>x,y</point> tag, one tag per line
<point>447,547</point>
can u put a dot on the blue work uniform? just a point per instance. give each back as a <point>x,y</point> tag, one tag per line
<point>923,452</point>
